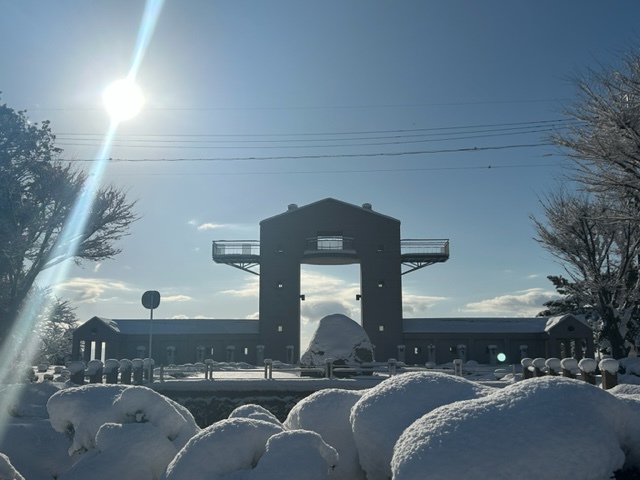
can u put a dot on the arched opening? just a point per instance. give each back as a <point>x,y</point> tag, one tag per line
<point>325,290</point>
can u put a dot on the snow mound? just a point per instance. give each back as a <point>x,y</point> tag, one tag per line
<point>7,471</point>
<point>327,413</point>
<point>136,450</point>
<point>547,427</point>
<point>340,338</point>
<point>227,446</point>
<point>79,412</point>
<point>384,411</point>
<point>28,400</point>
<point>138,404</point>
<point>297,454</point>
<point>256,412</point>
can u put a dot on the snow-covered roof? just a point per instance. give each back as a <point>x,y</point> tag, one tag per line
<point>475,325</point>
<point>183,326</point>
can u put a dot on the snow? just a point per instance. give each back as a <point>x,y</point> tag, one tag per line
<point>409,426</point>
<point>350,347</point>
<point>223,448</point>
<point>546,427</point>
<point>327,413</point>
<point>383,412</point>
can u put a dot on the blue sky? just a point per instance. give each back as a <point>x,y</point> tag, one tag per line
<point>254,89</point>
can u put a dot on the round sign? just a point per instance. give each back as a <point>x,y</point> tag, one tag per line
<point>150,299</point>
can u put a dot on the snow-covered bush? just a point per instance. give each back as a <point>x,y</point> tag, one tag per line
<point>384,411</point>
<point>327,412</point>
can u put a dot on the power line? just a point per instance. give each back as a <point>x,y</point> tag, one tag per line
<point>351,171</point>
<point>318,156</point>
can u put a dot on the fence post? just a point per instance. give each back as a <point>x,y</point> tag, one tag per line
<point>569,367</point>
<point>587,368</point>
<point>526,363</point>
<point>208,372</point>
<point>268,368</point>
<point>94,371</point>
<point>554,365</point>
<point>76,370</point>
<point>137,366</point>
<point>609,368</point>
<point>328,367</point>
<point>111,370</point>
<point>538,364</point>
<point>392,363</point>
<point>125,371</point>
<point>457,367</point>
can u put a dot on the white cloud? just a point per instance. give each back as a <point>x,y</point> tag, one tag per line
<point>92,290</point>
<point>524,303</point>
<point>250,289</point>
<point>176,298</point>
<point>418,305</point>
<point>210,226</point>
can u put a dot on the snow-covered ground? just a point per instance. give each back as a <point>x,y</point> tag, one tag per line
<point>416,425</point>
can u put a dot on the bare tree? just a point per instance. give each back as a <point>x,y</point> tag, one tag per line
<point>604,139</point>
<point>37,195</point>
<point>599,251</point>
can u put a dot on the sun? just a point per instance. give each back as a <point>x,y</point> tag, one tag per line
<point>123,99</point>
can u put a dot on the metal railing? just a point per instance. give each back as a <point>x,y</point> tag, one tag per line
<point>425,246</point>
<point>238,248</point>
<point>333,243</point>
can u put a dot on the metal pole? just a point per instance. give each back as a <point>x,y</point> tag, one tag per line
<point>150,344</point>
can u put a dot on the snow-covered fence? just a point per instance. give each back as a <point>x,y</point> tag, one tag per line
<point>586,369</point>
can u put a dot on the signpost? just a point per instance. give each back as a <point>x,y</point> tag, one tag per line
<point>150,301</point>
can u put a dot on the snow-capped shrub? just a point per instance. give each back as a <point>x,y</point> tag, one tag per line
<point>384,411</point>
<point>327,412</point>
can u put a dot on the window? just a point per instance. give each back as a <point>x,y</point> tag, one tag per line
<point>279,249</point>
<point>417,350</point>
<point>246,350</point>
<point>380,283</point>
<point>280,328</point>
<point>380,247</point>
<point>381,328</point>
<point>279,284</point>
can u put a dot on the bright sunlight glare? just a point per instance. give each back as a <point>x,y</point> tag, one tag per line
<point>123,99</point>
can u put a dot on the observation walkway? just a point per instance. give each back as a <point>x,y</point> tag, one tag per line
<point>331,250</point>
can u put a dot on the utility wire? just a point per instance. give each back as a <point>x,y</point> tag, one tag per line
<point>318,156</point>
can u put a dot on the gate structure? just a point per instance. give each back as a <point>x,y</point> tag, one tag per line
<point>330,232</point>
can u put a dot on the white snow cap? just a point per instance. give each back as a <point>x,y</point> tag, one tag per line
<point>327,412</point>
<point>222,448</point>
<point>7,471</point>
<point>384,411</point>
<point>541,416</point>
<point>255,412</point>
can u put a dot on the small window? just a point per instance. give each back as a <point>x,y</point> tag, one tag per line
<point>381,328</point>
<point>417,350</point>
<point>279,328</point>
<point>279,249</point>
<point>381,247</point>
<point>279,284</point>
<point>380,283</point>
<point>246,350</point>
<point>211,351</point>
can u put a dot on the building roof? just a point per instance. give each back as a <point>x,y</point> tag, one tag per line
<point>293,208</point>
<point>182,326</point>
<point>476,325</point>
